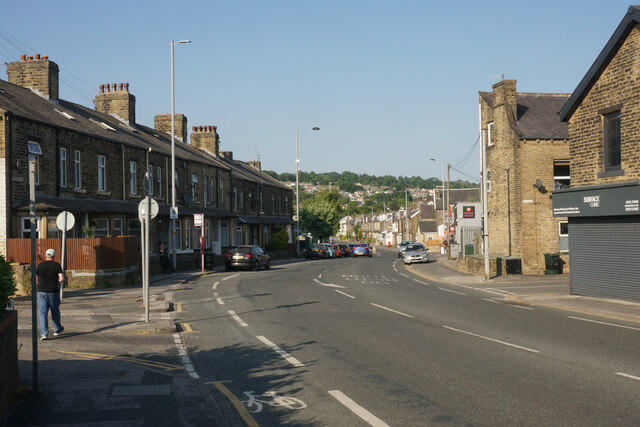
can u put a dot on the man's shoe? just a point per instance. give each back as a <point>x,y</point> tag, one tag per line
<point>42,338</point>
<point>55,334</point>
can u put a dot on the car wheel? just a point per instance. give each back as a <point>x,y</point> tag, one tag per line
<point>267,265</point>
<point>255,266</point>
<point>227,268</point>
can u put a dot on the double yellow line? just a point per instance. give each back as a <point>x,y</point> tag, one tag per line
<point>128,359</point>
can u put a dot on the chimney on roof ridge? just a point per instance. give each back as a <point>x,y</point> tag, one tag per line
<point>256,164</point>
<point>110,100</point>
<point>41,75</point>
<point>504,92</point>
<point>162,123</point>
<point>206,138</point>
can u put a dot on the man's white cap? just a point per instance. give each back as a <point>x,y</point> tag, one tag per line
<point>50,252</point>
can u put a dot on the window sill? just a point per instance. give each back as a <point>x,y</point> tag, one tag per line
<point>135,196</point>
<point>609,173</point>
<point>79,190</point>
<point>103,193</point>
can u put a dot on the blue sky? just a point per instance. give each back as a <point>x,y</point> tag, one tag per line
<point>390,83</point>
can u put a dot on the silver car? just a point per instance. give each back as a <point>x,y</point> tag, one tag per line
<point>415,252</point>
<point>402,247</point>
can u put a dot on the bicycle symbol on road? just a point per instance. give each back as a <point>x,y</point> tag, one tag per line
<point>254,403</point>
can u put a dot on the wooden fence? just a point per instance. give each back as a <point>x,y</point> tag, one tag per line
<point>82,254</point>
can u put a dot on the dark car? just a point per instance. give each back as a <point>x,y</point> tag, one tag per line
<point>315,251</point>
<point>361,249</point>
<point>338,250</point>
<point>345,250</point>
<point>246,256</point>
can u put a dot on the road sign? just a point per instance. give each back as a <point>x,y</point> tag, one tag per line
<point>142,209</point>
<point>198,219</point>
<point>173,213</point>
<point>65,224</point>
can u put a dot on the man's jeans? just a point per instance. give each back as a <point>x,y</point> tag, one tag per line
<point>46,301</point>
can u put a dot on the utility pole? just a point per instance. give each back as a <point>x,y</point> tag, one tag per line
<point>406,217</point>
<point>448,213</point>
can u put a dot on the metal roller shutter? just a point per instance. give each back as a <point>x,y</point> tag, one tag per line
<point>605,257</point>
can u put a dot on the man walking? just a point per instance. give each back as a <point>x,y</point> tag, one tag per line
<point>48,278</point>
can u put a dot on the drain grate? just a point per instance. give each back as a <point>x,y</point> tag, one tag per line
<point>141,390</point>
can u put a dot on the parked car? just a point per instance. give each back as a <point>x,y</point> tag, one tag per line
<point>362,249</point>
<point>345,250</point>
<point>331,252</point>
<point>402,247</point>
<point>246,256</point>
<point>415,252</point>
<point>337,249</point>
<point>315,251</point>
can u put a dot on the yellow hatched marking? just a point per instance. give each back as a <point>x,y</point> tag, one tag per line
<point>186,327</point>
<point>246,416</point>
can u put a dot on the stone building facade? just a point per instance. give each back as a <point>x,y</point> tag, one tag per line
<point>527,156</point>
<point>603,202</point>
<point>93,163</point>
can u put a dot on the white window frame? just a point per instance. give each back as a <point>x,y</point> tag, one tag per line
<point>25,225</point>
<point>133,178</point>
<point>273,203</point>
<point>194,187</point>
<point>77,169</point>
<point>150,179</point>
<point>558,178</point>
<point>188,233</point>
<point>221,194</point>
<point>261,207</point>
<point>562,235</point>
<point>207,236</point>
<point>235,199</point>
<point>205,187</point>
<point>102,173</point>
<point>118,227</point>
<point>63,167</point>
<point>488,181</point>
<point>224,233</point>
<point>179,235</point>
<point>101,227</point>
<point>159,180</point>
<point>490,134</point>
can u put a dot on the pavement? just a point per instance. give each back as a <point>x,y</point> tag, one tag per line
<point>111,367</point>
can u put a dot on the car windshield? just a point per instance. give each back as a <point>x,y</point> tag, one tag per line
<point>241,250</point>
<point>415,248</point>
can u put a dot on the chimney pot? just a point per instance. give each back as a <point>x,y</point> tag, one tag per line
<point>193,128</point>
<point>37,56</point>
<point>45,58</point>
<point>101,88</point>
<point>29,58</point>
<point>23,57</point>
<point>114,87</point>
<point>121,86</point>
<point>126,87</point>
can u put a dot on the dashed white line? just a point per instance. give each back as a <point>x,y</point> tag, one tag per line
<point>633,377</point>
<point>391,310</point>
<point>237,318</point>
<point>491,339</point>
<point>357,409</point>
<point>421,282</point>
<point>491,300</point>
<point>405,275</point>
<point>329,285</point>
<point>320,276</point>
<point>215,286</point>
<point>230,277</point>
<point>215,294</point>
<point>345,294</point>
<point>453,292</point>
<point>177,339</point>
<point>295,362</point>
<point>604,323</point>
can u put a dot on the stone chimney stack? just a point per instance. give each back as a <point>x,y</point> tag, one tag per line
<point>504,92</point>
<point>226,154</point>
<point>115,99</point>
<point>39,74</point>
<point>206,138</point>
<point>162,123</point>
<point>256,164</point>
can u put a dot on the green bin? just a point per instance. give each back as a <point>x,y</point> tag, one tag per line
<point>468,249</point>
<point>552,263</point>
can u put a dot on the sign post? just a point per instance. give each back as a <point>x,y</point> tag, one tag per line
<point>147,209</point>
<point>65,222</point>
<point>198,221</point>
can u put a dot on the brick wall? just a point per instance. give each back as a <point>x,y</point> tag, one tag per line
<point>617,88</point>
<point>116,99</point>
<point>40,74</point>
<point>162,123</point>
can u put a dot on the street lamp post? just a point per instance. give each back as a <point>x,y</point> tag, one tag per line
<point>173,160</point>
<point>442,195</point>
<point>298,192</point>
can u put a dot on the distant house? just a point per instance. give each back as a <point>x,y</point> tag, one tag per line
<point>603,202</point>
<point>527,156</point>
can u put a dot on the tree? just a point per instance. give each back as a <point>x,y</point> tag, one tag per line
<point>321,214</point>
<point>7,283</point>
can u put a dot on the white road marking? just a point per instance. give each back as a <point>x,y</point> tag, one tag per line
<point>184,356</point>
<point>633,377</point>
<point>491,300</point>
<point>215,286</point>
<point>604,323</point>
<point>215,294</point>
<point>405,275</point>
<point>230,277</point>
<point>391,310</point>
<point>421,282</point>
<point>281,352</point>
<point>237,318</point>
<point>357,409</point>
<point>453,292</point>
<point>320,276</point>
<point>491,339</point>
<point>328,285</point>
<point>345,294</point>
<point>519,306</point>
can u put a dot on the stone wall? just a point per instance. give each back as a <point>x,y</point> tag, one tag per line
<point>616,89</point>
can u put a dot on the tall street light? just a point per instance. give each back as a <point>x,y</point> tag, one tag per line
<point>297,192</point>
<point>442,195</point>
<point>174,214</point>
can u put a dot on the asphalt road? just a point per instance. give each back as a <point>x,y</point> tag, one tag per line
<point>365,342</point>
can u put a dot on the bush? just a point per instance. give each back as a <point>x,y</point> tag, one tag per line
<point>7,283</point>
<point>279,241</point>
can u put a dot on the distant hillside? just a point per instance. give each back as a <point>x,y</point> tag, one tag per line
<point>349,181</point>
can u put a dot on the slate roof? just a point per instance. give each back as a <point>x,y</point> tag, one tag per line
<point>538,115</point>
<point>23,103</point>
<point>630,20</point>
<point>459,195</point>
<point>428,226</point>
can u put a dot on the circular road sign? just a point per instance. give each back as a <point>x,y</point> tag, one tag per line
<point>70,221</point>
<point>142,209</point>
